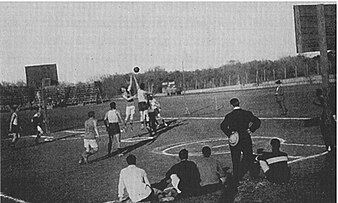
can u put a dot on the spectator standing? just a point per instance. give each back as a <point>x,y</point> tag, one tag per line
<point>327,120</point>
<point>280,98</point>
<point>240,124</point>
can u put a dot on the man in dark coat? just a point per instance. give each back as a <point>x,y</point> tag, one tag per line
<point>244,123</point>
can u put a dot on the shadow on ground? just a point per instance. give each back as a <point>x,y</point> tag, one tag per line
<point>171,124</point>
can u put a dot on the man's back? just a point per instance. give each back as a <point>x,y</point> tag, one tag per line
<point>210,170</point>
<point>135,181</point>
<point>278,167</point>
<point>239,120</point>
<point>188,174</point>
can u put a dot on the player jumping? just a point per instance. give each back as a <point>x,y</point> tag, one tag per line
<point>142,103</point>
<point>130,107</point>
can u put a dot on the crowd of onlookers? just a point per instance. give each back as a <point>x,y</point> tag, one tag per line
<point>188,178</point>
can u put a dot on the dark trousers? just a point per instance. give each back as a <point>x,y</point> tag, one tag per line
<point>241,166</point>
<point>282,106</point>
<point>152,122</point>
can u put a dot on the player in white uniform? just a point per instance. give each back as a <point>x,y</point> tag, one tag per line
<point>90,137</point>
<point>142,103</point>
<point>14,126</point>
<point>130,107</point>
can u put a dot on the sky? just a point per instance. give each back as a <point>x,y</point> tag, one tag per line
<point>90,39</point>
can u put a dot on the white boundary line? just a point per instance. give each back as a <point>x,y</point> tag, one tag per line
<point>12,198</point>
<point>307,157</point>
<point>221,118</point>
<point>163,150</point>
<point>137,139</point>
<point>73,131</point>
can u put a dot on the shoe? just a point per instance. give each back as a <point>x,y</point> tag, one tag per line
<point>121,154</point>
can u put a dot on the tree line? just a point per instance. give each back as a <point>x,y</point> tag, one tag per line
<point>232,73</point>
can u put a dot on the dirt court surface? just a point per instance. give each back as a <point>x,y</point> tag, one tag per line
<point>49,171</point>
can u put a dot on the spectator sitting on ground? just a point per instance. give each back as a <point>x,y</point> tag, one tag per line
<point>134,184</point>
<point>184,177</point>
<point>275,164</point>
<point>211,172</point>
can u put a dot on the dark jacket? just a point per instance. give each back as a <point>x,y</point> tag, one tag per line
<point>188,174</point>
<point>279,171</point>
<point>240,120</point>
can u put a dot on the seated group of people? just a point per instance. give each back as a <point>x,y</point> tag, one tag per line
<point>188,178</point>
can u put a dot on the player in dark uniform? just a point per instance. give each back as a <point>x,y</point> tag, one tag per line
<point>38,121</point>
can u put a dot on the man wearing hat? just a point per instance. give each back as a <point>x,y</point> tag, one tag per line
<point>238,125</point>
<point>279,94</point>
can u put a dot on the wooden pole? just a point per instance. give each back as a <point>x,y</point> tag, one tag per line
<point>322,45</point>
<point>45,115</point>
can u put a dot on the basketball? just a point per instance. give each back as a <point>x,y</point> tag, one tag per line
<point>136,69</point>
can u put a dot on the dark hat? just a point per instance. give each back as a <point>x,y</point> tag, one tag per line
<point>278,82</point>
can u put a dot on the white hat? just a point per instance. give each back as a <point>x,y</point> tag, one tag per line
<point>233,139</point>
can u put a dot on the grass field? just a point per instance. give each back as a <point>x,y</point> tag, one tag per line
<point>49,172</point>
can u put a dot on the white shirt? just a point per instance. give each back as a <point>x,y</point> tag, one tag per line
<point>135,181</point>
<point>141,95</point>
<point>14,118</point>
<point>112,116</point>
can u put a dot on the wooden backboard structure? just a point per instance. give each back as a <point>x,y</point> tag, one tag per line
<point>38,74</point>
<point>306,25</point>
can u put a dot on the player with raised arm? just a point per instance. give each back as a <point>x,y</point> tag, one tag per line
<point>130,107</point>
<point>142,103</point>
<point>111,120</point>
<point>90,136</point>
